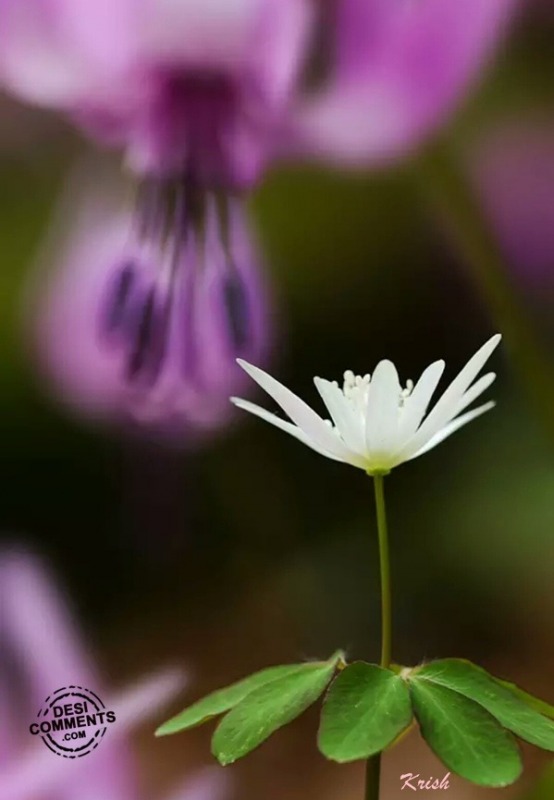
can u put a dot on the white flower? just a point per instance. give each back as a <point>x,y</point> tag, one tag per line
<point>376,425</point>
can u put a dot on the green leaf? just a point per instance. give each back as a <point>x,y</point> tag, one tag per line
<point>224,699</point>
<point>509,709</point>
<point>366,708</point>
<point>535,702</point>
<point>268,708</point>
<point>464,736</point>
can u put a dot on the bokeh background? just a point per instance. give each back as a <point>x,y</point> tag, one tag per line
<point>247,549</point>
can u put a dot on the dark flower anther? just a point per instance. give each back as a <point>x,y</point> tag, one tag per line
<point>117,306</point>
<point>148,341</point>
<point>236,305</point>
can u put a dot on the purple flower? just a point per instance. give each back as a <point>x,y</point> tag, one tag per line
<point>41,650</point>
<point>208,90</point>
<point>134,326</point>
<point>190,89</point>
<point>201,95</point>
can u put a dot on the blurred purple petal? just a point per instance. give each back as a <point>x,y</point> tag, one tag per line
<point>145,698</point>
<point>513,169</point>
<point>36,620</point>
<point>106,772</point>
<point>216,33</point>
<point>37,62</point>
<point>137,332</point>
<point>401,68</point>
<point>228,314</point>
<point>60,53</point>
<point>39,635</point>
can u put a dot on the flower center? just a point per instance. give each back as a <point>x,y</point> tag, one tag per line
<point>201,108</point>
<point>194,123</point>
<point>356,390</point>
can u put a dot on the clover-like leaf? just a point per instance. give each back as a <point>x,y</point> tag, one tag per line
<point>544,708</point>
<point>464,735</point>
<point>366,708</point>
<point>475,683</point>
<point>224,699</point>
<point>268,708</point>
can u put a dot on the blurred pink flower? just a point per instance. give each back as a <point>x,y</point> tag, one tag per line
<point>513,170</point>
<point>125,331</point>
<point>191,87</point>
<point>41,650</point>
<point>210,89</point>
<point>202,95</point>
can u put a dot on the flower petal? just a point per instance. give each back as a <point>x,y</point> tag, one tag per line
<point>474,391</point>
<point>218,34</point>
<point>206,32</point>
<point>279,47</point>
<point>62,53</point>
<point>348,423</point>
<point>35,61</point>
<point>447,406</point>
<point>229,307</point>
<point>146,696</point>
<point>282,424</point>
<point>452,427</point>
<point>382,408</point>
<point>37,773</point>
<point>416,404</point>
<point>312,425</point>
<point>401,69</point>
<point>36,619</point>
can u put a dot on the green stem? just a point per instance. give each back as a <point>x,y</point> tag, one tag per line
<point>372,777</point>
<point>373,764</point>
<point>384,563</point>
<point>444,180</point>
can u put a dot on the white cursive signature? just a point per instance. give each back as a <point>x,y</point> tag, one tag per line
<point>415,783</point>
